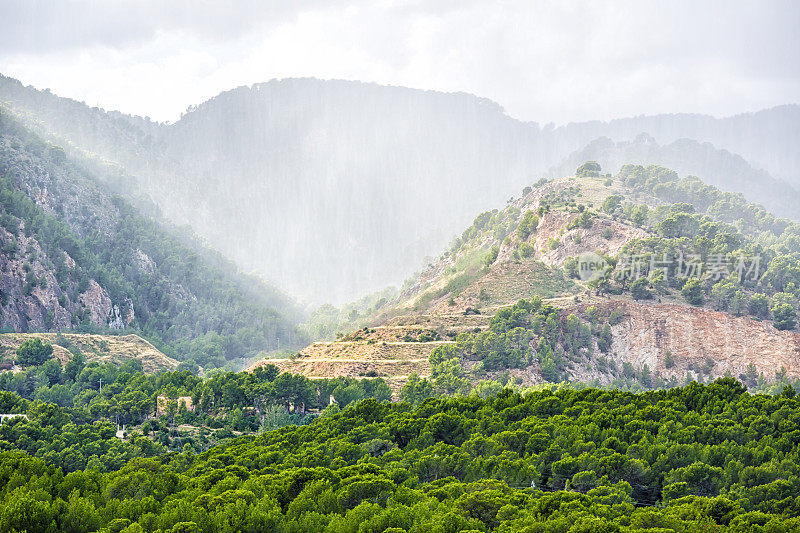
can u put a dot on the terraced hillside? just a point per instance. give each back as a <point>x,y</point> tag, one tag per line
<point>605,330</point>
<point>100,348</point>
<point>393,350</point>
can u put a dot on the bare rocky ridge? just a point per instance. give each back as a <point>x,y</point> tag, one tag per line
<point>554,226</point>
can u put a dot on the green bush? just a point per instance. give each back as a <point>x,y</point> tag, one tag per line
<point>640,289</point>
<point>590,169</point>
<point>528,225</point>
<point>34,352</point>
<point>692,291</point>
<point>783,312</point>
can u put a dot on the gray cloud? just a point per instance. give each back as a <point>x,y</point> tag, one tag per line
<point>42,26</point>
<point>543,61</point>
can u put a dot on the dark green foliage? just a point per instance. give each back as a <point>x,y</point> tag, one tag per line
<point>526,250</point>
<point>639,215</point>
<point>737,254</point>
<point>584,220</point>
<point>640,289</point>
<point>34,352</point>
<point>528,225</point>
<point>588,170</point>
<point>604,342</point>
<point>783,312</point>
<point>571,267</point>
<point>611,203</point>
<point>416,390</point>
<point>491,257</point>
<point>701,198</point>
<point>692,291</point>
<point>516,337</point>
<point>759,306</point>
<point>489,220</point>
<point>690,459</point>
<point>89,402</point>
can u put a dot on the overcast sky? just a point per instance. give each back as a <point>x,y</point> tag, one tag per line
<point>543,61</point>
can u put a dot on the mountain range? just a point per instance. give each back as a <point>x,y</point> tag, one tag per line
<point>333,189</point>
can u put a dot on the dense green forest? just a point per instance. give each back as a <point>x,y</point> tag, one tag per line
<point>686,459</point>
<point>187,299</point>
<point>74,411</point>
<point>104,447</point>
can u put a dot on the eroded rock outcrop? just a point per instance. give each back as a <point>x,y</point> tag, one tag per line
<point>699,340</point>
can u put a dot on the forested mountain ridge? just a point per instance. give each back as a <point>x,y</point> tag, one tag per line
<point>509,300</point>
<point>329,171</point>
<point>763,138</point>
<point>77,256</point>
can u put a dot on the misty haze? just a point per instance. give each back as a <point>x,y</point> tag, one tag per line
<point>399,267</point>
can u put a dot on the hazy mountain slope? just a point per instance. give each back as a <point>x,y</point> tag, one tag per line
<point>337,187</point>
<point>332,189</point>
<point>719,168</point>
<point>766,139</point>
<point>76,256</point>
<point>296,178</point>
<point>127,140</point>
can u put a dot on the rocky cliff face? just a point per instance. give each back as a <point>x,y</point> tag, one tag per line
<point>33,299</point>
<point>701,341</point>
<point>678,342</point>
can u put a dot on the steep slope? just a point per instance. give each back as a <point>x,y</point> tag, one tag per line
<point>700,341</point>
<point>601,326</point>
<point>75,256</point>
<point>332,189</point>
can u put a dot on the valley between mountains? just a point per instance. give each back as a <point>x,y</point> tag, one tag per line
<point>614,349</point>
<point>293,278</point>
